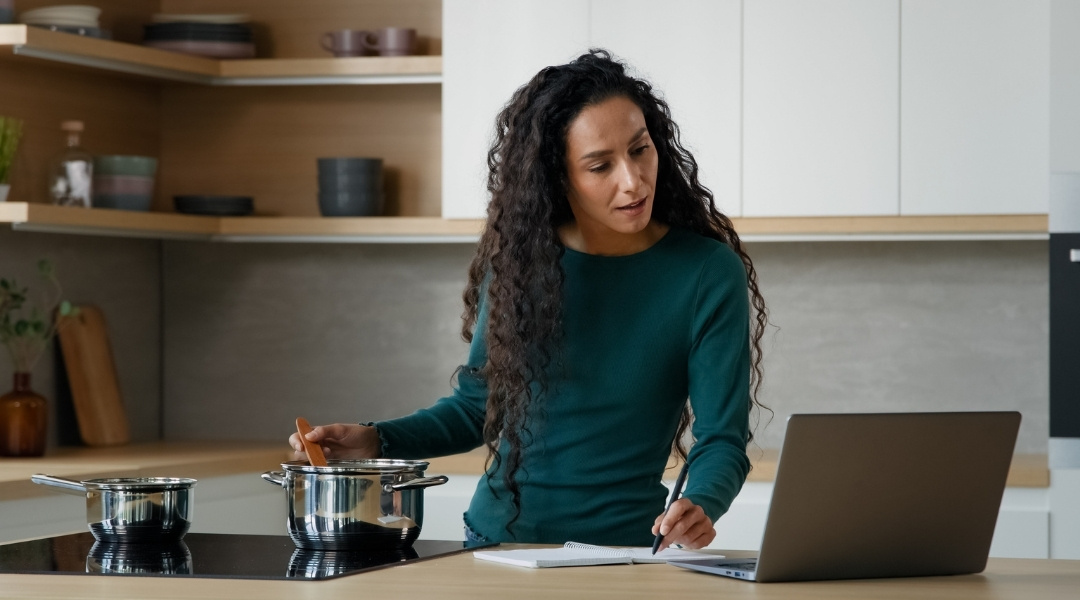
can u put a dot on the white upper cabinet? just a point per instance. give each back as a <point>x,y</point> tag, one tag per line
<point>821,107</point>
<point>691,51</point>
<point>975,81</point>
<point>491,48</point>
<point>1065,86</point>
<point>791,107</point>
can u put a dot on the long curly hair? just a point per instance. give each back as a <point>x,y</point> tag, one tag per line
<point>517,266</point>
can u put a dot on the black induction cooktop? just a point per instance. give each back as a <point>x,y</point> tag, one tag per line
<point>210,555</point>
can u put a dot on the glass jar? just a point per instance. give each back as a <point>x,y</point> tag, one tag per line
<point>23,417</point>
<point>73,171</point>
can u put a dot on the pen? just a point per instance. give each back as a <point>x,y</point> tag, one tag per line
<point>674,496</point>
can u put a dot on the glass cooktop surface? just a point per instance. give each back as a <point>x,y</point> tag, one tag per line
<point>211,555</point>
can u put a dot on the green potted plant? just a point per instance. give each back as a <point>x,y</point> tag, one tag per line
<point>26,327</point>
<point>10,132</point>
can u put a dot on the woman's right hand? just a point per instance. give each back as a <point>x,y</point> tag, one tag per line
<point>340,440</point>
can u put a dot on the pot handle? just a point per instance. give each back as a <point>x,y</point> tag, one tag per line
<point>275,477</point>
<point>412,484</point>
<point>64,485</point>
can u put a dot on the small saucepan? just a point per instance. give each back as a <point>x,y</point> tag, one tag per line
<point>132,509</point>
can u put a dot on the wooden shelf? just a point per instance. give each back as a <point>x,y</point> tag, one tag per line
<point>101,221</point>
<point>43,217</point>
<point>930,227</point>
<point>34,42</point>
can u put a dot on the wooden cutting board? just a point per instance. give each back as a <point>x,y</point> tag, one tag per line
<point>95,389</point>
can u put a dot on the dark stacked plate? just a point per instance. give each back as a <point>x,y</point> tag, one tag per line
<point>220,206</point>
<point>212,32</point>
<point>214,40</point>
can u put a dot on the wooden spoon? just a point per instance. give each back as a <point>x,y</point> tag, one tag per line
<point>314,451</point>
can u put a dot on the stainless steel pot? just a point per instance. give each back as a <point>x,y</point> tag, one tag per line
<point>369,504</point>
<point>172,558</point>
<point>321,564</point>
<point>132,509</point>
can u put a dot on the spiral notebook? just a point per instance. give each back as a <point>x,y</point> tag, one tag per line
<point>575,554</point>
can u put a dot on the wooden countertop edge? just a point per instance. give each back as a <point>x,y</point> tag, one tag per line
<point>197,460</point>
<point>1028,470</point>
<point>215,459</point>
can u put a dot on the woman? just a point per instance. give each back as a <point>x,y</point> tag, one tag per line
<point>605,291</point>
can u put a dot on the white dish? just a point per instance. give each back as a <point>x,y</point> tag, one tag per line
<point>76,11</point>
<point>60,21</point>
<point>216,19</point>
<point>94,32</point>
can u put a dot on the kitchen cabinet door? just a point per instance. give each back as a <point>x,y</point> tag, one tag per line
<point>691,51</point>
<point>974,107</point>
<point>1065,86</point>
<point>491,48</point>
<point>820,107</point>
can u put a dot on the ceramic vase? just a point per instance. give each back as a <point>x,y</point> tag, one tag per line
<point>23,420</point>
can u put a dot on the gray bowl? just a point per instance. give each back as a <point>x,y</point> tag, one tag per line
<point>137,202</point>
<point>350,204</point>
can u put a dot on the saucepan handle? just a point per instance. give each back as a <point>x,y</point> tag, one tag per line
<point>419,482</point>
<point>64,485</point>
<point>275,477</point>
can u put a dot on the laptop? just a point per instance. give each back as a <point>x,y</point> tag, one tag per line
<point>861,496</point>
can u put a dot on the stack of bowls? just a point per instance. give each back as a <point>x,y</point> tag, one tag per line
<point>215,36</point>
<point>124,182</point>
<point>7,11</point>
<point>72,18</point>
<point>350,187</point>
<point>222,206</point>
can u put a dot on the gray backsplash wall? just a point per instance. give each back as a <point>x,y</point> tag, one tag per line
<point>905,326</point>
<point>258,334</point>
<point>120,276</point>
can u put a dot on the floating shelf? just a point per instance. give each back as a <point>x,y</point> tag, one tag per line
<point>106,222</point>
<point>120,57</point>
<point>900,228</point>
<point>46,218</point>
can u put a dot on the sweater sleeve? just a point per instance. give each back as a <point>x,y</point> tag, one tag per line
<point>719,376</point>
<point>454,424</point>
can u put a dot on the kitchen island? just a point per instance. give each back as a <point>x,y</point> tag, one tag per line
<point>463,577</point>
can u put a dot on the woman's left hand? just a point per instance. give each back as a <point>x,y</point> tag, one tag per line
<point>686,524</point>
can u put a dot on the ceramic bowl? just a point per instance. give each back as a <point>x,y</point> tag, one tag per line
<point>144,166</point>
<point>350,204</point>
<point>205,48</point>
<point>123,184</point>
<point>137,202</point>
<point>224,206</point>
<point>221,19</point>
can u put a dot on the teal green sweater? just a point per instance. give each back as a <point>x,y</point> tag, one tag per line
<point>641,333</point>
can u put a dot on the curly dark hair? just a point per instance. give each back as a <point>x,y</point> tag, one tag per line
<point>517,265</point>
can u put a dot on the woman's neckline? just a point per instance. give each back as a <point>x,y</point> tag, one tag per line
<point>658,243</point>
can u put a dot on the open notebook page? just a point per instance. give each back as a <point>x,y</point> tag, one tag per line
<point>574,554</point>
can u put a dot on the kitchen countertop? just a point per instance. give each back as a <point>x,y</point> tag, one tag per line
<point>156,459</point>
<point>1028,470</point>
<point>216,459</point>
<point>463,577</point>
